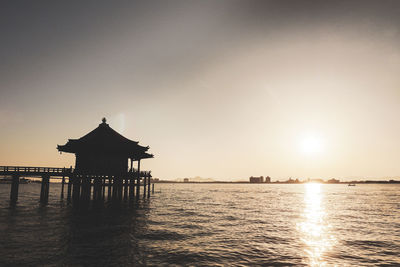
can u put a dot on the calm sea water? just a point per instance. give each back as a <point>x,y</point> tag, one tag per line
<point>208,225</point>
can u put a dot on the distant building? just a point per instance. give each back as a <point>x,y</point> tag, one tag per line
<point>256,179</point>
<point>267,179</point>
<point>333,181</point>
<point>186,180</point>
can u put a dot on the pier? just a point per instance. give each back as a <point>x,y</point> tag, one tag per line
<point>101,170</point>
<point>81,188</point>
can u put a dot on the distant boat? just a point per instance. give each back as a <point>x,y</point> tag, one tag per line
<point>351,185</point>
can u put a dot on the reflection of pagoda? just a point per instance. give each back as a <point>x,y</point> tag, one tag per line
<point>102,156</point>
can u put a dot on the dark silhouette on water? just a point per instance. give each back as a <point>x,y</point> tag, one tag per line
<point>104,151</point>
<point>102,158</point>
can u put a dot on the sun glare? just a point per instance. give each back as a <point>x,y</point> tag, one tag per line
<point>311,145</point>
<point>313,226</point>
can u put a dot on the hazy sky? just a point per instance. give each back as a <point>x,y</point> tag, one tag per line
<point>222,89</point>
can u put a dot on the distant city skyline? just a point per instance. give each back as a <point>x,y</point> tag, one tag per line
<point>222,89</point>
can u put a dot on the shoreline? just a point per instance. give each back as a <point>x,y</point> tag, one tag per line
<point>244,182</point>
<point>38,181</point>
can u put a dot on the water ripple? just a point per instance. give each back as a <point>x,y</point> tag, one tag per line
<point>208,225</point>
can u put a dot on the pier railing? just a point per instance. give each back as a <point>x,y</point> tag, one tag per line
<point>53,171</point>
<point>9,170</point>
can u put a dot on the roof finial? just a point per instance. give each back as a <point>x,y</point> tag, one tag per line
<point>103,120</point>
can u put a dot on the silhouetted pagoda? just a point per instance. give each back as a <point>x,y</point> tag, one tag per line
<point>103,151</point>
<point>102,158</point>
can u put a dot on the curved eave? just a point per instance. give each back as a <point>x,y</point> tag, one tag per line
<point>105,140</point>
<point>65,148</point>
<point>73,146</point>
<point>137,153</point>
<point>141,156</point>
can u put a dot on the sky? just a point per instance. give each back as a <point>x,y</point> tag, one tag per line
<point>220,89</point>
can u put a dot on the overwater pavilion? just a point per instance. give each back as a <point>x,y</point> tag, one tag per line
<point>103,157</point>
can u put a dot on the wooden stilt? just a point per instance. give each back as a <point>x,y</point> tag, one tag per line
<point>83,189</point>
<point>96,189</point>
<point>144,185</point>
<point>131,188</point>
<point>99,185</point>
<point>42,189</point>
<point>120,185</point>
<point>109,188</point>
<point>99,182</point>
<point>92,184</point>
<point>115,189</point>
<point>152,188</point>
<point>69,188</point>
<point>44,192</point>
<point>138,182</point>
<point>126,184</point>
<point>100,188</point>
<point>76,190</point>
<point>103,188</point>
<point>62,186</point>
<point>47,188</point>
<point>148,184</point>
<point>86,189</point>
<point>14,188</point>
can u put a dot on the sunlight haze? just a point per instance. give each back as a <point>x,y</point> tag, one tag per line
<point>226,89</point>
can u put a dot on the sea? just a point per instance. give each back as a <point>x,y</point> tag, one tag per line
<point>207,225</point>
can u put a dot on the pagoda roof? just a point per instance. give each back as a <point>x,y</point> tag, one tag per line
<point>104,139</point>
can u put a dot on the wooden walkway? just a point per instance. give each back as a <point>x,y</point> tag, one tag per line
<point>81,188</point>
<point>34,171</point>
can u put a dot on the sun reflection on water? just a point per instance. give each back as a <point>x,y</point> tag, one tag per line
<point>314,227</point>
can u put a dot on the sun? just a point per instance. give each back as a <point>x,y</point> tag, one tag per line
<point>312,145</point>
